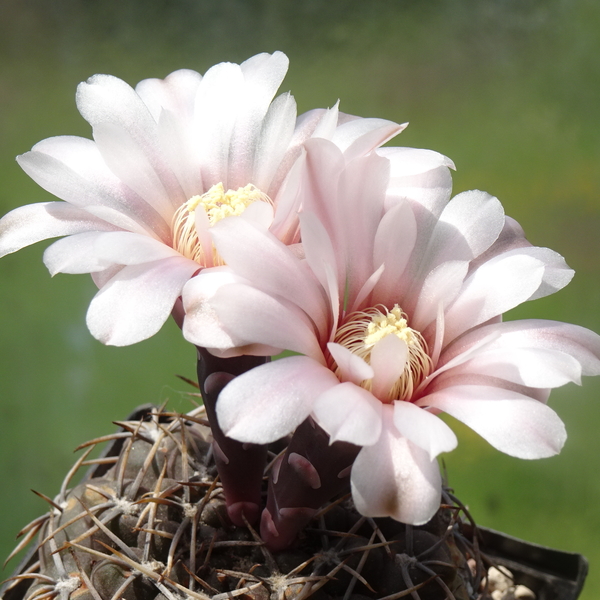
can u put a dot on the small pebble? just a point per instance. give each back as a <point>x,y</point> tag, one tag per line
<point>502,587</point>
<point>524,593</point>
<point>499,579</point>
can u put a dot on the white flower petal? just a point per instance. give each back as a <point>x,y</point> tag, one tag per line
<point>319,251</point>
<point>73,169</point>
<point>423,428</point>
<point>96,250</point>
<point>358,137</point>
<point>127,137</point>
<point>275,137</point>
<point>201,325</point>
<point>532,367</point>
<point>349,413</point>
<point>270,401</point>
<point>175,93</point>
<point>439,289</point>
<point>248,251</point>
<point>509,421</point>
<point>388,360</point>
<point>136,302</point>
<point>395,478</point>
<point>352,367</point>
<point>251,316</point>
<point>495,287</point>
<point>33,223</point>
<point>262,75</point>
<point>141,167</point>
<point>392,248</point>
<point>413,161</point>
<point>428,193</point>
<point>469,224</point>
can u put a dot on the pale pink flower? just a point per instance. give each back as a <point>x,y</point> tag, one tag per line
<point>394,304</point>
<point>170,158</point>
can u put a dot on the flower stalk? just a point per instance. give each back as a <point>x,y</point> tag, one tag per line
<point>240,465</point>
<point>304,478</point>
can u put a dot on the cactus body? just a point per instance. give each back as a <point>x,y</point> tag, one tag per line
<point>149,522</point>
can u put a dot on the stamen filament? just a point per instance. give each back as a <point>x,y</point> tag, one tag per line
<point>363,329</point>
<point>217,204</point>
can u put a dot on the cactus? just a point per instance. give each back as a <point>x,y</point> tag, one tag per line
<point>149,521</point>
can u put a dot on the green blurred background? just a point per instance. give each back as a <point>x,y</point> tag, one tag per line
<point>509,89</point>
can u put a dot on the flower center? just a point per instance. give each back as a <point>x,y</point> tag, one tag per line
<point>363,329</point>
<point>217,204</point>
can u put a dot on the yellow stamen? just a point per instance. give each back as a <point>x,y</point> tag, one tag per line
<point>217,204</point>
<point>363,329</point>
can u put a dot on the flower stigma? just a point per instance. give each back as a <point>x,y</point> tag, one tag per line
<point>217,204</point>
<point>363,329</point>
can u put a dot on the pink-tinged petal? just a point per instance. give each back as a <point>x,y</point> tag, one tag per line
<point>104,98</point>
<point>101,278</point>
<point>580,343</point>
<point>270,401</point>
<point>32,223</point>
<point>73,169</point>
<point>179,151</point>
<point>201,325</point>
<point>349,210</point>
<point>328,123</point>
<point>511,237</point>
<point>247,250</point>
<point>532,367</point>
<point>217,106</point>
<point>360,136</point>
<point>360,209</point>
<point>349,413</point>
<point>365,291</point>
<point>307,122</point>
<point>388,359</point>
<point>319,253</point>
<point>440,288</point>
<point>443,366</point>
<point>557,273</point>
<point>141,166</point>
<point>96,251</point>
<point>423,428</point>
<point>395,478</point>
<point>202,224</point>
<point>453,378</point>
<point>287,199</point>
<point>352,367</point>
<point>324,164</point>
<point>512,241</point>
<point>510,422</point>
<point>393,245</point>
<point>495,287</point>
<point>275,136</point>
<point>263,74</point>
<point>127,137</point>
<point>304,129</point>
<point>469,224</point>
<point>260,214</point>
<point>124,247</point>
<point>413,161</point>
<point>428,193</point>
<point>136,302</point>
<point>251,316</point>
<point>74,254</point>
<point>175,93</point>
